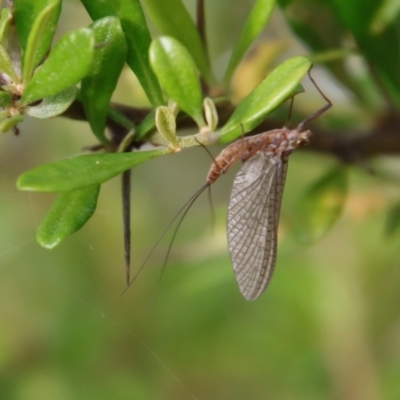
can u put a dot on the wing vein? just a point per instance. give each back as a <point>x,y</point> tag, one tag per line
<point>253,221</point>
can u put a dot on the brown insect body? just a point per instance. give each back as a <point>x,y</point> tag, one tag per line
<point>276,142</point>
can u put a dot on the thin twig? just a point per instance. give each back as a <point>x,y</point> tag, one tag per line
<point>349,145</point>
<point>201,27</point>
<point>201,21</point>
<point>126,218</point>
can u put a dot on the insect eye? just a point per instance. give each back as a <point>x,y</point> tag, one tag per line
<point>302,140</point>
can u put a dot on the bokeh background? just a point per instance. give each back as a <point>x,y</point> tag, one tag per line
<point>328,327</point>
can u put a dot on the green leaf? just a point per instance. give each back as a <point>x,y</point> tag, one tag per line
<point>278,86</point>
<point>5,19</point>
<point>174,20</point>
<point>321,206</point>
<point>68,63</point>
<point>392,224</point>
<point>383,50</point>
<point>146,126</point>
<point>98,86</point>
<point>5,99</point>
<point>126,141</point>
<point>35,39</point>
<point>9,123</point>
<point>210,113</point>
<point>137,37</point>
<point>6,65</point>
<point>26,13</point>
<point>69,212</point>
<point>166,125</point>
<point>176,72</point>
<point>321,37</point>
<point>385,16</point>
<point>253,26</point>
<point>81,171</point>
<point>120,118</point>
<point>54,105</point>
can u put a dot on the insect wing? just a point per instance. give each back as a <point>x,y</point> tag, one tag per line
<point>253,219</point>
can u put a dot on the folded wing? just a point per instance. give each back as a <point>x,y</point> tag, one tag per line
<point>253,219</point>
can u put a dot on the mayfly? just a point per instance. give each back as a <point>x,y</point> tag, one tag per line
<point>255,201</point>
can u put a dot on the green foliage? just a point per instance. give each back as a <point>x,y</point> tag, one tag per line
<point>67,64</point>
<point>54,105</point>
<point>385,16</point>
<point>106,67</point>
<point>36,23</point>
<point>38,36</point>
<point>137,37</point>
<point>325,25</point>
<point>277,87</point>
<point>253,26</point>
<point>146,126</point>
<point>70,211</point>
<point>5,20</point>
<point>166,124</point>
<point>176,72</point>
<point>329,320</point>
<point>6,64</point>
<point>210,113</point>
<point>174,20</point>
<point>94,56</point>
<point>8,123</point>
<point>40,80</point>
<point>5,99</point>
<point>382,49</point>
<point>81,171</point>
<point>24,83</point>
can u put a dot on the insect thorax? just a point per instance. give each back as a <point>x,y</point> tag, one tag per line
<point>290,139</point>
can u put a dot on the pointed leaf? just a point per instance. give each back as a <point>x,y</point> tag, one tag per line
<point>81,171</point>
<point>386,14</point>
<point>383,50</point>
<point>173,107</point>
<point>9,123</point>
<point>35,39</point>
<point>108,60</point>
<point>146,126</point>
<point>126,141</point>
<point>119,117</point>
<point>269,94</point>
<point>26,12</point>
<point>5,19</point>
<point>321,206</point>
<point>6,65</point>
<point>174,20</point>
<point>52,106</point>
<point>322,37</point>
<point>166,125</point>
<point>68,63</point>
<point>176,72</point>
<point>69,212</point>
<point>210,113</point>
<point>137,37</point>
<point>253,26</point>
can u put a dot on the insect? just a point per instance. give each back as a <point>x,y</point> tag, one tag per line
<point>254,208</point>
<point>255,201</point>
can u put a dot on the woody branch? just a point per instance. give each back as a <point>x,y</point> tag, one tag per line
<point>348,145</point>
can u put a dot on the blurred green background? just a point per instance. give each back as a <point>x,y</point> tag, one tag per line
<point>328,327</point>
